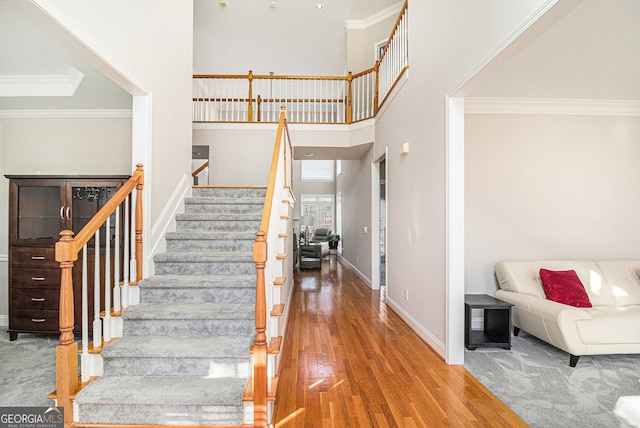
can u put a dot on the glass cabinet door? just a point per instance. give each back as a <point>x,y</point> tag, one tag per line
<point>40,213</point>
<point>86,200</point>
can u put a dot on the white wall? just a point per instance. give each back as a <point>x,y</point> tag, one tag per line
<point>549,187</point>
<point>360,44</point>
<point>448,39</point>
<point>238,156</point>
<point>57,146</point>
<point>354,184</point>
<point>150,43</point>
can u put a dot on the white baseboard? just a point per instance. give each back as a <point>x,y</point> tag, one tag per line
<point>424,334</point>
<point>4,320</point>
<point>362,276</point>
<point>166,220</point>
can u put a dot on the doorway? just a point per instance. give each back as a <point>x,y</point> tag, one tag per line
<point>382,230</point>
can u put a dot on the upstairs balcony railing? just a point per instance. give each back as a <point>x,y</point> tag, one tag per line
<point>307,99</point>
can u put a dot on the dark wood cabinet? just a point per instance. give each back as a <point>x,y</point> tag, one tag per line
<point>39,208</point>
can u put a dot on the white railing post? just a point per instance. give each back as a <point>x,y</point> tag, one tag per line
<point>84,369</point>
<point>125,260</point>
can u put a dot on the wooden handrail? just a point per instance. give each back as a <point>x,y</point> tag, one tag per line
<point>259,350</point>
<point>393,32</point>
<point>66,253</point>
<point>350,102</point>
<point>199,170</point>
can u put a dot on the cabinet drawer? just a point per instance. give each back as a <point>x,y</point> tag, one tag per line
<point>34,256</point>
<point>35,278</point>
<point>34,299</point>
<point>34,320</point>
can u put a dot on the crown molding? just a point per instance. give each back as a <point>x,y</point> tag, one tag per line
<point>41,85</point>
<point>363,24</point>
<point>551,106</point>
<point>61,114</point>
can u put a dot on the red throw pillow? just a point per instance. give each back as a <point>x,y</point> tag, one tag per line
<point>564,286</point>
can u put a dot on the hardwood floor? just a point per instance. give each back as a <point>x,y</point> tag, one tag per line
<point>350,361</point>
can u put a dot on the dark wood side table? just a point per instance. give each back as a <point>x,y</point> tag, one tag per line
<point>497,322</point>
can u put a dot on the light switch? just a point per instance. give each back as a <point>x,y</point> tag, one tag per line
<point>366,230</point>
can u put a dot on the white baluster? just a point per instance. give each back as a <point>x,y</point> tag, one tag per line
<point>125,260</point>
<point>107,282</point>
<point>97,323</point>
<point>133,261</point>
<point>116,265</point>
<point>84,369</point>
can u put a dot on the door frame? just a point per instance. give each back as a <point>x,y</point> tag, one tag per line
<point>375,222</point>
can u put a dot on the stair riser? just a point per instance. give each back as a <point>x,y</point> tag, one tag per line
<point>209,245</point>
<point>206,367</point>
<point>135,327</point>
<point>230,192</point>
<point>195,295</point>
<point>212,208</point>
<point>217,225</point>
<point>161,414</point>
<point>209,268</point>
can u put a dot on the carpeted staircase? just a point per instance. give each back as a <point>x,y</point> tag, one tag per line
<point>184,358</point>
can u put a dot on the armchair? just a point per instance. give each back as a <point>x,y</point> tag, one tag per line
<point>321,236</point>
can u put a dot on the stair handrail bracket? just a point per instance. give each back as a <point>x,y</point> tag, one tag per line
<point>265,250</point>
<point>67,251</point>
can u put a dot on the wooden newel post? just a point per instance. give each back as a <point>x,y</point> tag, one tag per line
<point>67,383</point>
<point>349,99</point>
<point>139,256</point>
<point>250,109</point>
<point>259,348</point>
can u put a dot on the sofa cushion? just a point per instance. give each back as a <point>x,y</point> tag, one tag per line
<point>564,286</point>
<point>622,276</point>
<point>610,325</point>
<point>523,276</point>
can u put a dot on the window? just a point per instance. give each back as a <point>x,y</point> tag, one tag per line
<point>320,207</point>
<point>316,170</point>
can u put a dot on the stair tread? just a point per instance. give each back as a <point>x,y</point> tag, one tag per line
<point>224,200</point>
<point>219,216</point>
<point>164,390</point>
<point>194,311</point>
<point>232,347</point>
<point>211,235</point>
<point>198,281</point>
<point>204,256</point>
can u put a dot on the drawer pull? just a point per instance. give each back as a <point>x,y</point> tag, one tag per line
<point>37,299</point>
<point>38,319</point>
<point>37,278</point>
<point>37,257</point>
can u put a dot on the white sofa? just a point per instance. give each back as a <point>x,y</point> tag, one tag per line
<point>610,326</point>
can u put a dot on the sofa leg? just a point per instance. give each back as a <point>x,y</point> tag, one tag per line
<point>516,330</point>
<point>573,360</point>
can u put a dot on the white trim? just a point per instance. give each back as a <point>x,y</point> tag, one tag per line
<point>552,106</point>
<point>41,85</point>
<point>424,334</point>
<point>4,320</point>
<point>363,24</point>
<point>97,54</point>
<point>362,276</point>
<point>4,258</point>
<point>455,232</point>
<point>504,44</point>
<point>59,114</point>
<point>166,220</point>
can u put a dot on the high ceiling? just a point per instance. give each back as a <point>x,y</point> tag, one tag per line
<point>591,53</point>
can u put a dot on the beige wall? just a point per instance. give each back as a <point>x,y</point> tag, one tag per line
<point>57,146</point>
<point>133,38</point>
<point>549,187</point>
<point>448,39</point>
<point>360,44</point>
